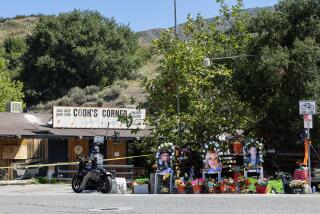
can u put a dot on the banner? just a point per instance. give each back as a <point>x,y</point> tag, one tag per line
<point>99,118</point>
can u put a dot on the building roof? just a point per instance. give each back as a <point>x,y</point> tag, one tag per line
<point>38,125</point>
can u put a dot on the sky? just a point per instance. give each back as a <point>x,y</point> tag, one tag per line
<point>139,14</point>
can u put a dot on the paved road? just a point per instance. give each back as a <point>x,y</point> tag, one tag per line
<point>61,199</point>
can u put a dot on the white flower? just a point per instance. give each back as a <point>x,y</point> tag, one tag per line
<point>206,146</point>
<point>204,151</point>
<point>220,153</point>
<point>159,147</point>
<point>252,140</point>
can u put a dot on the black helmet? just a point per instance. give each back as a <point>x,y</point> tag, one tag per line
<point>94,148</point>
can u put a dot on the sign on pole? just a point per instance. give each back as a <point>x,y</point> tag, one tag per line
<point>307,107</point>
<point>307,119</point>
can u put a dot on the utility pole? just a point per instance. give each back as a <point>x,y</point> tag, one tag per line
<point>177,72</point>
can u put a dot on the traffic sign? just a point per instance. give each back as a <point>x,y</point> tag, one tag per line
<point>307,107</point>
<point>307,120</point>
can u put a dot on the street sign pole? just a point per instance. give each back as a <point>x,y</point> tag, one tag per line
<point>308,108</point>
<point>309,158</point>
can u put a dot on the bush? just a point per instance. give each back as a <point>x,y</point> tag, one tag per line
<point>45,180</point>
<point>77,95</point>
<point>135,75</point>
<point>91,90</point>
<point>111,93</point>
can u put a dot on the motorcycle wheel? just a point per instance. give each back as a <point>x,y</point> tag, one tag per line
<point>76,183</point>
<point>107,185</point>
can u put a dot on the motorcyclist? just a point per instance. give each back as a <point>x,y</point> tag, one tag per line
<point>96,163</point>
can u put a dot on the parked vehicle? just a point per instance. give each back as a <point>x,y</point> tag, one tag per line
<point>98,179</point>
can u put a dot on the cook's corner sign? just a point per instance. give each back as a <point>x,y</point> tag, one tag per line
<point>87,117</point>
<point>307,107</point>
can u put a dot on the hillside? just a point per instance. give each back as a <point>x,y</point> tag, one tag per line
<point>17,27</point>
<point>117,95</point>
<point>146,37</point>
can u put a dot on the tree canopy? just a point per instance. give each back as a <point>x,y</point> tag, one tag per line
<point>9,90</point>
<point>79,48</point>
<point>209,106</point>
<point>283,67</point>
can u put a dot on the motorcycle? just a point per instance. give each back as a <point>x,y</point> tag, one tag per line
<point>100,179</point>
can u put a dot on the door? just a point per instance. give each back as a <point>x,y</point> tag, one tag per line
<point>116,149</point>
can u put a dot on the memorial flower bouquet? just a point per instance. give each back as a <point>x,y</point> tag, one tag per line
<point>243,184</point>
<point>197,185</point>
<point>211,186</point>
<point>140,181</point>
<point>228,186</point>
<point>297,184</point>
<point>180,184</point>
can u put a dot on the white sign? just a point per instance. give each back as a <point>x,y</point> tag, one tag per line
<point>100,118</point>
<point>307,119</point>
<point>307,107</point>
<point>98,139</point>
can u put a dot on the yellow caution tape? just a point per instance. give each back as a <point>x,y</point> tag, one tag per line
<point>70,163</point>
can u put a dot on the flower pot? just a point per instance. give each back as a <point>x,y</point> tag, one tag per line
<point>196,189</point>
<point>237,148</point>
<point>212,190</point>
<point>181,190</point>
<point>223,188</point>
<point>236,176</point>
<point>261,189</point>
<point>300,174</point>
<point>141,189</point>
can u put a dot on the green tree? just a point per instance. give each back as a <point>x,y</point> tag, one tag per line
<point>79,48</point>
<point>209,106</point>
<point>14,48</point>
<point>9,90</point>
<point>283,67</point>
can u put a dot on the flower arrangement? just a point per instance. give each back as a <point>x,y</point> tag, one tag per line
<point>243,184</point>
<point>180,184</point>
<point>211,185</point>
<point>237,147</point>
<point>297,184</point>
<point>263,182</point>
<point>228,186</point>
<point>197,185</point>
<point>236,172</point>
<point>140,181</point>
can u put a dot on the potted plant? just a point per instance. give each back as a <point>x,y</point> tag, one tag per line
<point>212,186</point>
<point>242,184</point>
<point>297,186</point>
<point>141,186</point>
<point>228,186</point>
<point>197,185</point>
<point>237,147</point>
<point>261,186</point>
<point>180,183</point>
<point>236,173</point>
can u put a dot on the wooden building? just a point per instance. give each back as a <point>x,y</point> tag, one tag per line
<point>30,138</point>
